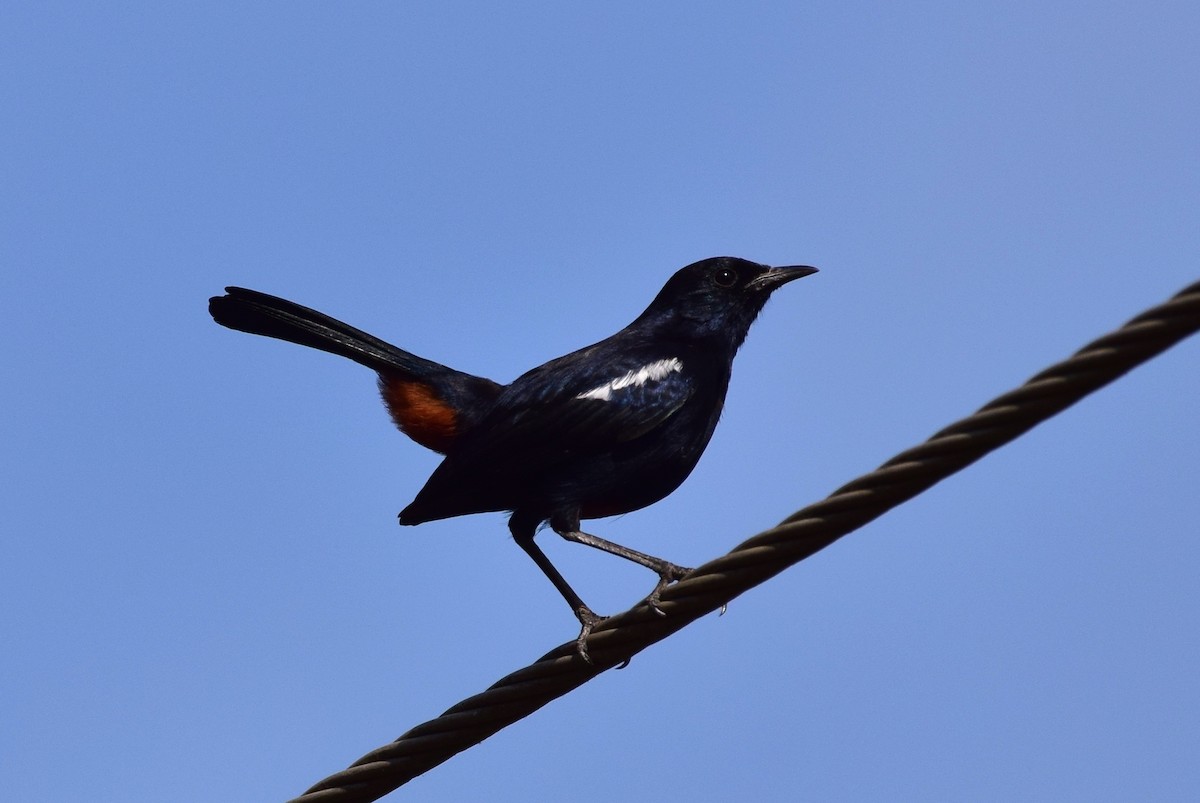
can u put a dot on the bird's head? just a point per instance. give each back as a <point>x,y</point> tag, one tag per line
<point>718,297</point>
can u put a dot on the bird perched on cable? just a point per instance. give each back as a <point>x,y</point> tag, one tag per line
<point>605,430</point>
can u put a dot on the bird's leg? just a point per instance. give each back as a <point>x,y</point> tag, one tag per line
<point>667,572</point>
<point>523,533</point>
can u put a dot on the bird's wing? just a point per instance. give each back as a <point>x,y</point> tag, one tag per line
<point>549,418</point>
<point>567,410</point>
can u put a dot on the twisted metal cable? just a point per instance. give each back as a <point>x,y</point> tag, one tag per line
<point>802,534</point>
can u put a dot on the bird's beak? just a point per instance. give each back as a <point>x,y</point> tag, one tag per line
<point>775,277</point>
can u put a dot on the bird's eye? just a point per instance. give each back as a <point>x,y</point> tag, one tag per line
<point>725,277</point>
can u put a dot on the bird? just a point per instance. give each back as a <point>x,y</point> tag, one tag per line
<point>605,430</point>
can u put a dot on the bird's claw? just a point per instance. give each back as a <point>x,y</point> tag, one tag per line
<point>667,574</point>
<point>588,619</point>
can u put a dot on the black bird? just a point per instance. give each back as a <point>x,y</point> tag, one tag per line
<point>605,430</point>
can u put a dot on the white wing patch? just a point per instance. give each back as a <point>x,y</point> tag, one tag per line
<point>651,372</point>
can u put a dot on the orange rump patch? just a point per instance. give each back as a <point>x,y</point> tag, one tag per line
<point>420,413</point>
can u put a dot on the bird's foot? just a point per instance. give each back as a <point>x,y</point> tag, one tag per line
<point>587,620</point>
<point>667,573</point>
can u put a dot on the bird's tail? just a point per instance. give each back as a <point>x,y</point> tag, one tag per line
<point>261,314</point>
<point>430,402</point>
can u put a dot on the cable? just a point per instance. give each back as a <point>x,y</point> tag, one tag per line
<point>618,638</point>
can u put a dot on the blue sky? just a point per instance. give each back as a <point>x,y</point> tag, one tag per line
<point>205,594</point>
